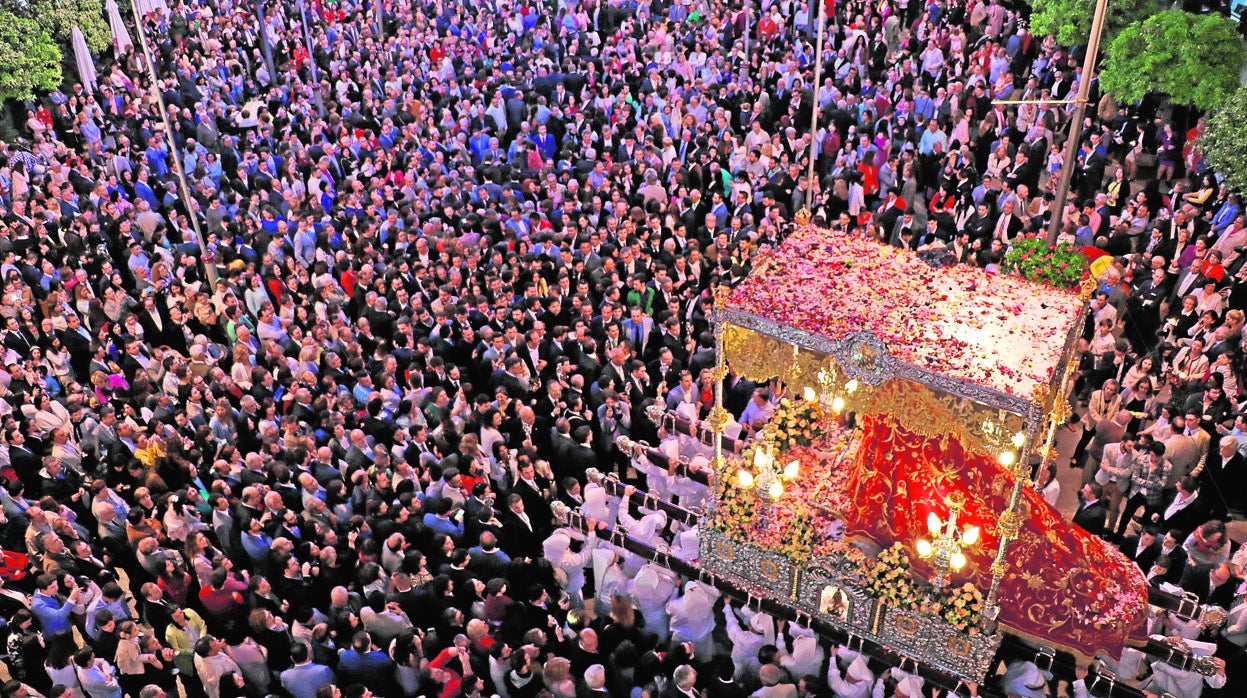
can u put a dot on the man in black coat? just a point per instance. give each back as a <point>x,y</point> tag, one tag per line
<point>77,341</point>
<point>1170,548</point>
<point>1144,548</point>
<point>580,455</point>
<point>1186,510</point>
<point>534,490</point>
<point>511,379</point>
<point>1092,511</point>
<point>1217,587</point>
<point>22,457</point>
<point>519,531</point>
<point>530,430</point>
<point>1223,479</point>
<point>18,338</point>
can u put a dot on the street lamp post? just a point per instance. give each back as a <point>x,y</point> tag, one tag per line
<point>818,79</point>
<point>748,11</point>
<point>183,187</point>
<point>265,49</point>
<point>313,72</point>
<point>1075,129</point>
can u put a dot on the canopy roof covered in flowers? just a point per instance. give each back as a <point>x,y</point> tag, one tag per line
<point>949,366</point>
<point>993,331</point>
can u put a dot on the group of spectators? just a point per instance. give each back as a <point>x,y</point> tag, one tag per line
<point>456,259</point>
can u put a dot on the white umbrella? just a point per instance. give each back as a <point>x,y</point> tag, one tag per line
<point>147,7</point>
<point>82,55</point>
<point>121,35</point>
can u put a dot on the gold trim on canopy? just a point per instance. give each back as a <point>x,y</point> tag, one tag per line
<point>760,357</point>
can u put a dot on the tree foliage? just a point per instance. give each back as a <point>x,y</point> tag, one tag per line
<point>1222,143</point>
<point>59,17</point>
<point>1195,59</point>
<point>30,61</point>
<point>1070,20</point>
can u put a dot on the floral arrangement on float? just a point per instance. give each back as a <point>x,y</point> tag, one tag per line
<point>794,423</point>
<point>963,608</point>
<point>890,579</point>
<point>785,491</point>
<point>734,508</point>
<point>1032,258</point>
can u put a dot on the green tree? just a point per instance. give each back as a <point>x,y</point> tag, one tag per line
<point>30,61</point>
<point>59,17</point>
<point>1195,59</point>
<point>1070,20</point>
<point>1222,142</point>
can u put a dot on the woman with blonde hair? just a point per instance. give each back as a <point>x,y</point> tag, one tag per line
<point>106,385</point>
<point>556,674</point>
<point>240,371</point>
<point>1234,321</point>
<point>470,449</point>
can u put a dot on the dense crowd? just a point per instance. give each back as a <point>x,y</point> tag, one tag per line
<point>457,260</point>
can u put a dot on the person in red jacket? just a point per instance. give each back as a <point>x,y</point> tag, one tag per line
<point>222,598</point>
<point>452,681</point>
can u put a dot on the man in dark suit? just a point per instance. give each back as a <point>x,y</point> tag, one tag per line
<point>1143,548</point>
<point>519,532</point>
<point>535,491</point>
<point>1008,224</point>
<point>535,355</point>
<point>616,370</point>
<point>580,457</point>
<point>1186,510</point>
<point>1092,511</point>
<point>704,356</point>
<point>528,429</point>
<point>22,457</point>
<point>158,328</point>
<point>511,379</point>
<point>77,341</point>
<point>1224,476</point>
<point>561,441</point>
<point>1170,549</point>
<point>638,386</point>
<point>1092,160</point>
<point>665,368</point>
<point>1158,573</point>
<point>18,338</point>
<point>979,225</point>
<point>1217,587</point>
<point>133,360</point>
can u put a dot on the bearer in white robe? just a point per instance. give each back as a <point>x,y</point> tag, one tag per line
<point>650,590</point>
<point>858,681</point>
<point>746,641</point>
<point>557,549</point>
<point>692,617</point>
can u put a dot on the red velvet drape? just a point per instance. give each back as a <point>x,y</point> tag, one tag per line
<point>1057,577</point>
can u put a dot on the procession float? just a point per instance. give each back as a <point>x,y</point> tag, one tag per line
<point>890,494</point>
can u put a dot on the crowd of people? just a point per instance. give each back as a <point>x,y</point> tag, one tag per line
<point>457,256</point>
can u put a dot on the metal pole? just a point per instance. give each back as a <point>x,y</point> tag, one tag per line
<point>717,420</point>
<point>380,5</point>
<point>748,7</point>
<point>1075,129</point>
<point>818,79</point>
<point>265,49</point>
<point>314,74</point>
<point>187,201</point>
